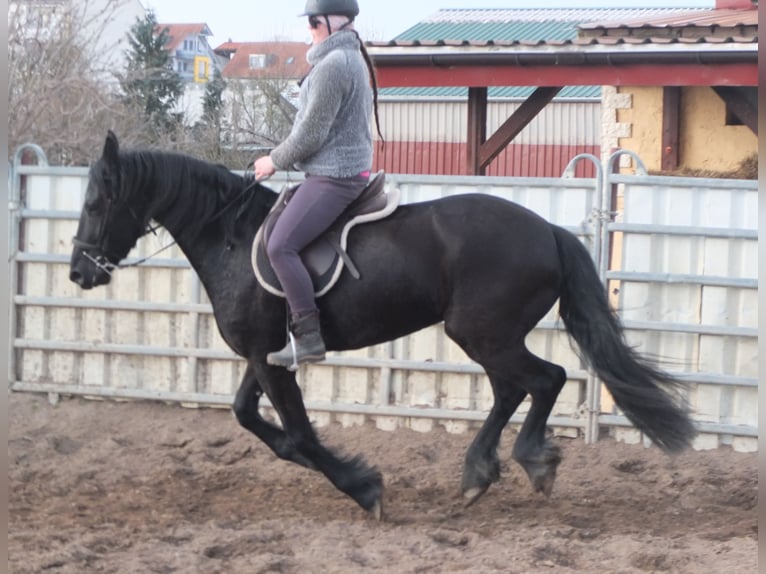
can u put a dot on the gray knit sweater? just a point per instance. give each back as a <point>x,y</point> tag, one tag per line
<point>331,134</point>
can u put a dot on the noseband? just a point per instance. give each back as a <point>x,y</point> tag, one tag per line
<point>102,261</point>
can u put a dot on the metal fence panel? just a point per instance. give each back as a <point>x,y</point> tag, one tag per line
<point>687,290</point>
<point>688,294</point>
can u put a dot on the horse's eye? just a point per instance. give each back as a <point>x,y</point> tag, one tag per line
<point>93,206</point>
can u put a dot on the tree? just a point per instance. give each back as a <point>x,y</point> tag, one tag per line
<point>207,132</point>
<point>212,105</point>
<point>262,112</point>
<point>60,94</point>
<point>150,84</point>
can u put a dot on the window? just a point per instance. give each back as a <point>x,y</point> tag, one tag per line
<point>201,69</point>
<point>257,61</point>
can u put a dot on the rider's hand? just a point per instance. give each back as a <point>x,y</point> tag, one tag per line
<point>264,167</point>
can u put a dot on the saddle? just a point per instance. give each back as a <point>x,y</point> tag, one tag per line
<point>326,256</point>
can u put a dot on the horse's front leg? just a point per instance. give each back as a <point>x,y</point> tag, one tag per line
<point>351,476</point>
<point>246,410</point>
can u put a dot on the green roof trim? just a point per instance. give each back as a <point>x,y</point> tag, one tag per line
<point>485,25</point>
<point>486,31</point>
<point>520,92</point>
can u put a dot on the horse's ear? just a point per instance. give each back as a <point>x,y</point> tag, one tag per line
<point>111,148</point>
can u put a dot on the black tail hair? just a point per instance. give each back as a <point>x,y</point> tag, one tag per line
<point>646,395</point>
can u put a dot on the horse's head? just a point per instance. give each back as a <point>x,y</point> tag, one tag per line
<point>109,226</point>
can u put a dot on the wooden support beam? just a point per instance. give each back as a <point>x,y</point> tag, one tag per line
<point>671,127</point>
<point>746,109</point>
<point>514,124</point>
<point>477,130</point>
<point>430,75</point>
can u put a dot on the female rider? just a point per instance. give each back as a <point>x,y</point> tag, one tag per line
<point>331,142</point>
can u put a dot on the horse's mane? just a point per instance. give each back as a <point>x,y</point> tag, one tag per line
<point>188,193</point>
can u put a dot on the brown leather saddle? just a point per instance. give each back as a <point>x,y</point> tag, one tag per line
<point>326,256</point>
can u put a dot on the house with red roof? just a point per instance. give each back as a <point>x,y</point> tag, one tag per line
<point>263,60</point>
<point>192,57</point>
<point>261,90</point>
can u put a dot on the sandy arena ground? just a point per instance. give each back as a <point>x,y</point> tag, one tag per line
<point>154,488</point>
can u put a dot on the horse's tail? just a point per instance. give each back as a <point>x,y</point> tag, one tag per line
<point>645,394</point>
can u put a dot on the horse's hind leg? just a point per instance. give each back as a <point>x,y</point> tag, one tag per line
<point>514,372</point>
<point>482,465</point>
<point>533,450</point>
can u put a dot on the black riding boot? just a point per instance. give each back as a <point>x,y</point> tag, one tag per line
<point>305,344</point>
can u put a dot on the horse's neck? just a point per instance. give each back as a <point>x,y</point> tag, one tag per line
<point>216,258</point>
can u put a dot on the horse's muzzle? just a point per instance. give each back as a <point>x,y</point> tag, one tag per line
<point>86,273</point>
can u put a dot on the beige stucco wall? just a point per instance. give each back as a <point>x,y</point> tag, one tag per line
<point>707,143</point>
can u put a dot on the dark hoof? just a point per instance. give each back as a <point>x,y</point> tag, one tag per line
<point>368,493</point>
<point>377,510</point>
<point>473,494</point>
<point>478,476</point>
<point>542,470</point>
<point>542,477</point>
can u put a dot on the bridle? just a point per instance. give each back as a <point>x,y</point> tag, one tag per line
<point>103,262</point>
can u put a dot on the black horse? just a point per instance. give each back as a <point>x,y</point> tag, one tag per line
<point>488,268</point>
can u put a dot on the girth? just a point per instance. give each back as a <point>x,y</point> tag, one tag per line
<point>326,256</point>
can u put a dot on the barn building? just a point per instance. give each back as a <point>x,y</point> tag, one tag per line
<point>520,92</point>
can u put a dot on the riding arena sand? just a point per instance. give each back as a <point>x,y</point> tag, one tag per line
<point>150,487</point>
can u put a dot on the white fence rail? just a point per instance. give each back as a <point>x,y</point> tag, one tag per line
<point>687,296</point>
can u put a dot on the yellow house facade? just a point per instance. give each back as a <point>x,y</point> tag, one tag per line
<point>710,139</point>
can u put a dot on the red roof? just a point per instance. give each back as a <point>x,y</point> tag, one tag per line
<point>179,32</point>
<point>283,59</point>
<point>741,25</point>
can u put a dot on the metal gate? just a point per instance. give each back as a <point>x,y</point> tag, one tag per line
<point>151,334</point>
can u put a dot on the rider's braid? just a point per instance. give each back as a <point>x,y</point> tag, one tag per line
<point>374,78</point>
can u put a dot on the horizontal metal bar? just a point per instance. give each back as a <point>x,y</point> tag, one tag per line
<point>50,214</point>
<point>112,305</point>
<point>579,231</point>
<point>735,185</point>
<point>704,232</point>
<point>331,361</point>
<point>348,408</point>
<point>27,257</point>
<point>713,428</point>
<point>319,406</point>
<point>427,366</point>
<point>123,305</point>
<point>119,349</point>
<point>706,280</point>
<point>123,393</point>
<point>51,170</point>
<point>692,329</point>
<point>716,379</point>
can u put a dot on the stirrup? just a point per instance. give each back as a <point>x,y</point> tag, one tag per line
<point>293,348</point>
<point>294,366</point>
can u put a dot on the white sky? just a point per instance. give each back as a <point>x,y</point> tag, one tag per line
<point>263,20</point>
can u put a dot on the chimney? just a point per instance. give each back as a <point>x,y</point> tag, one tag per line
<point>735,4</point>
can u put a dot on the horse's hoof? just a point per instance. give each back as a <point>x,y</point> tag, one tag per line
<point>377,510</point>
<point>473,494</point>
<point>542,477</point>
<point>544,484</point>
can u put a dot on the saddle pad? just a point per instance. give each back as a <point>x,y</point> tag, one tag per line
<point>324,272</point>
<point>321,257</point>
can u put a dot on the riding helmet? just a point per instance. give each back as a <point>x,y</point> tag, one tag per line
<point>330,7</point>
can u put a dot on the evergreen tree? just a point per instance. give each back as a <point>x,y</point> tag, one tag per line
<point>212,104</point>
<point>150,84</point>
<point>208,131</point>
